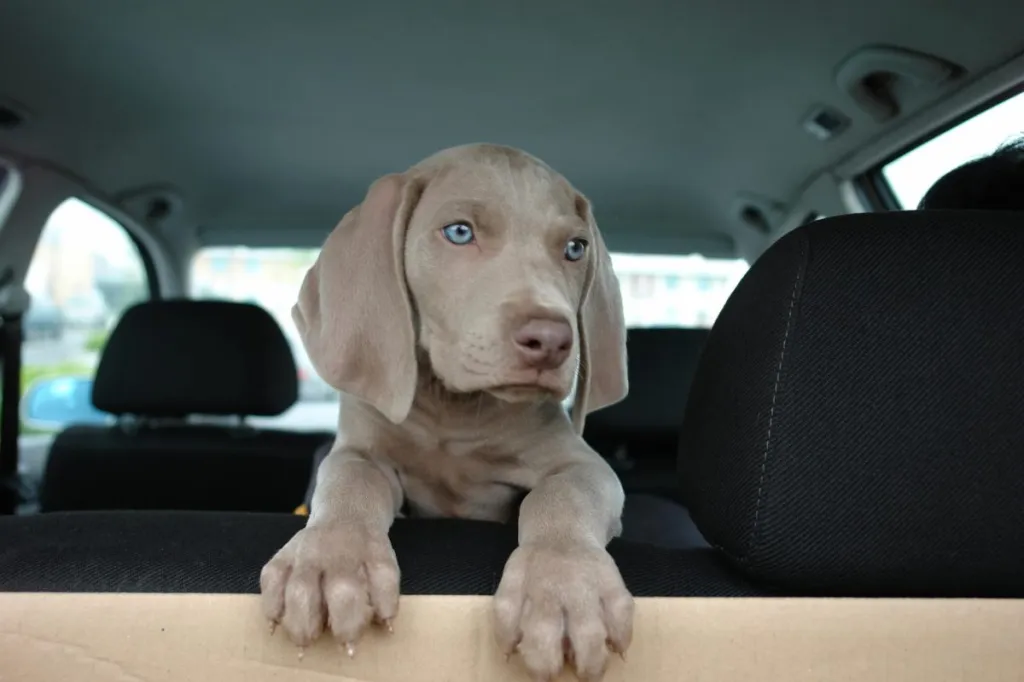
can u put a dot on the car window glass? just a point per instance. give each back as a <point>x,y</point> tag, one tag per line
<point>674,291</point>
<point>912,174</point>
<point>86,270</point>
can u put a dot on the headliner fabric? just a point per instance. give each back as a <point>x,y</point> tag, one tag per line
<point>224,552</point>
<point>172,358</point>
<point>660,112</point>
<point>856,425</point>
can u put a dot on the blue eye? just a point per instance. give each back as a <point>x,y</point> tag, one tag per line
<point>575,249</point>
<point>459,234</point>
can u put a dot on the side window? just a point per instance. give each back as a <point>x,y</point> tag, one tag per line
<point>85,272</point>
<point>913,173</point>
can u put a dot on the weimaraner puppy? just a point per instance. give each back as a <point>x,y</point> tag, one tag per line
<point>455,308</point>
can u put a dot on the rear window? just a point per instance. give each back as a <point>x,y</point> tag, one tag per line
<point>675,291</point>
<point>911,175</point>
<point>657,291</point>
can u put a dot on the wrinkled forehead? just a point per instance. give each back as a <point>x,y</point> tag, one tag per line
<point>500,191</point>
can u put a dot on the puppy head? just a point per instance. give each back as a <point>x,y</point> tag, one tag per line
<point>485,261</point>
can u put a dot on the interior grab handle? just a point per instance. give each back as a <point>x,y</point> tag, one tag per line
<point>869,74</point>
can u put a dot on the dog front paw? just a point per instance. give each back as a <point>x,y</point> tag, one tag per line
<point>342,575</point>
<point>563,603</point>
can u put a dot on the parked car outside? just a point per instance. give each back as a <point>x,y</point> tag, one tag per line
<point>87,310</point>
<point>43,320</point>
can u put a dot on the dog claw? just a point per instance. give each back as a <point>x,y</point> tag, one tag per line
<point>350,649</point>
<point>616,650</point>
<point>385,623</point>
<point>302,652</point>
<point>273,627</point>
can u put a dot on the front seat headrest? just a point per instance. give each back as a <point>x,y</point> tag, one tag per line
<point>172,358</point>
<point>856,424</point>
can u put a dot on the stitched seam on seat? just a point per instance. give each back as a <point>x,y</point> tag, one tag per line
<point>775,394</point>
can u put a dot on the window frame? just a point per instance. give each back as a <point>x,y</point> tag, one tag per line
<point>148,262</point>
<point>135,236</point>
<point>872,186</point>
<point>10,189</point>
<point>149,267</point>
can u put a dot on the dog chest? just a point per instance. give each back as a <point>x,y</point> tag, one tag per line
<point>449,479</point>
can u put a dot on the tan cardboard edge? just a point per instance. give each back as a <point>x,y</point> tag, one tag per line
<point>155,637</point>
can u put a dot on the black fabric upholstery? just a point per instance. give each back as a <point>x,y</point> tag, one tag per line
<point>171,358</point>
<point>168,359</point>
<point>856,424</point>
<point>224,552</point>
<point>656,520</point>
<point>662,361</point>
<point>188,467</point>
<point>640,435</point>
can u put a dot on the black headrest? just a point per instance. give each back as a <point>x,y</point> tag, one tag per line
<point>661,365</point>
<point>177,357</point>
<point>856,424</point>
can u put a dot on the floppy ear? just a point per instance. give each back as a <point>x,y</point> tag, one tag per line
<point>354,313</point>
<point>602,378</point>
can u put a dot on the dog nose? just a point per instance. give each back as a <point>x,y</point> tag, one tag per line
<point>544,344</point>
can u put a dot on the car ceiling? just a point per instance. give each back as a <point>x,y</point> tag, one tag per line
<point>270,119</point>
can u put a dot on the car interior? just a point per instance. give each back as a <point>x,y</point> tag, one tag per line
<point>823,379</point>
